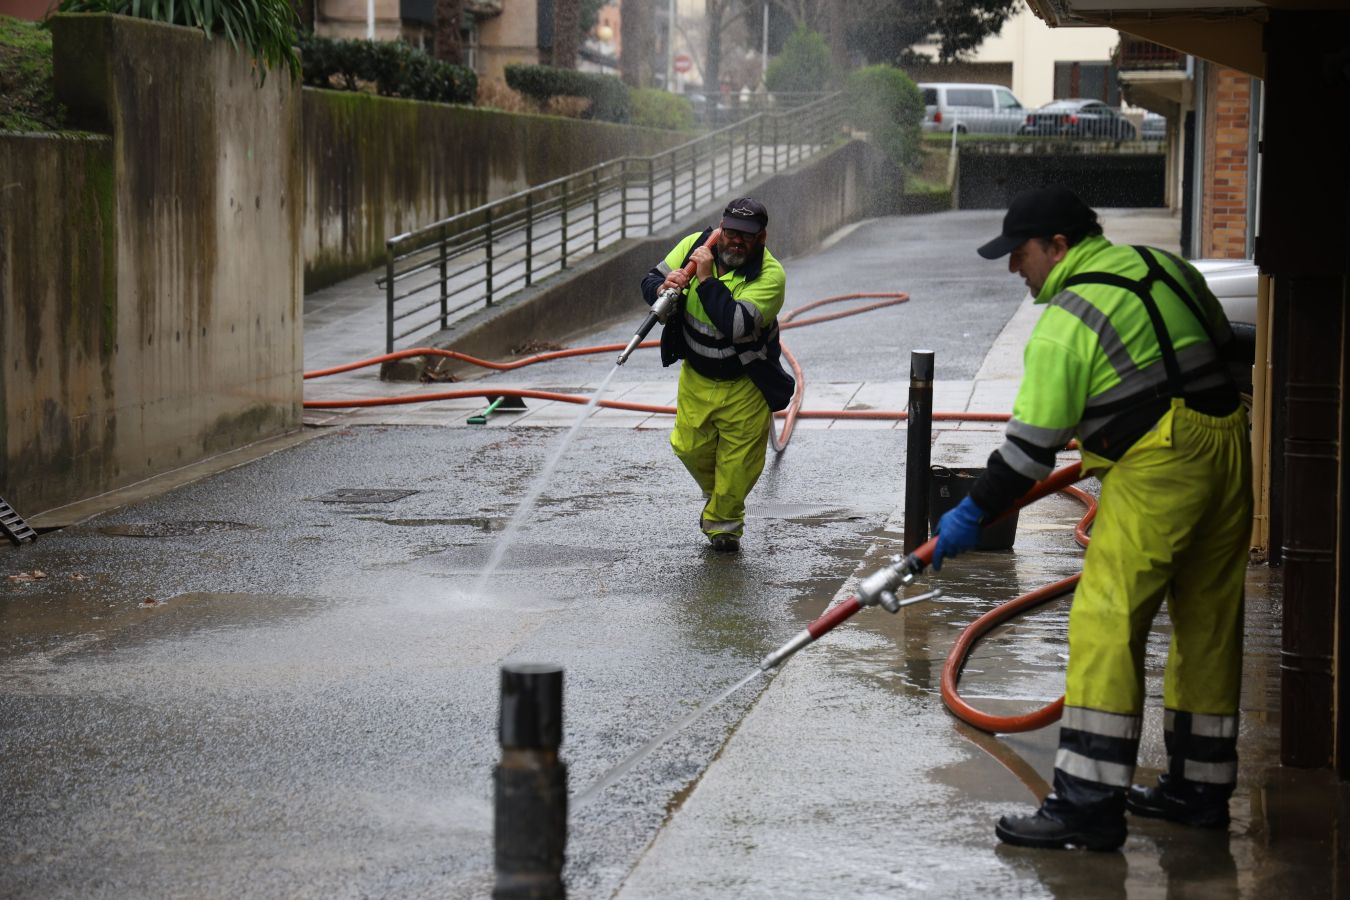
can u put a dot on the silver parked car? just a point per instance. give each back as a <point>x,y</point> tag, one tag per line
<point>1079,117</point>
<point>1233,282</point>
<point>1153,127</point>
<point>971,108</point>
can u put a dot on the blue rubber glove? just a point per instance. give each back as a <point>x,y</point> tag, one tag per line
<point>958,531</point>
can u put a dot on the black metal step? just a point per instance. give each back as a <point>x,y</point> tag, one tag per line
<point>13,525</point>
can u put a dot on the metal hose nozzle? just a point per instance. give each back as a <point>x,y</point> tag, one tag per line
<point>665,302</point>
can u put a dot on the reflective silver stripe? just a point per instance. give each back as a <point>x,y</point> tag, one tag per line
<point>1155,377</point>
<point>1210,772</point>
<point>1107,724</point>
<point>1136,380</point>
<point>1089,769</point>
<point>709,352</point>
<point>755,317</point>
<point>749,356</point>
<point>709,526</point>
<point>1100,325</point>
<point>742,323</point>
<point>663,268</point>
<point>699,326</point>
<point>1018,460</point>
<point>1050,438</point>
<point>1205,724</point>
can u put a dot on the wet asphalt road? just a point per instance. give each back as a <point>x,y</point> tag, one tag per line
<point>303,702</point>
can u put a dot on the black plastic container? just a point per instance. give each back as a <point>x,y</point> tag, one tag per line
<point>947,487</point>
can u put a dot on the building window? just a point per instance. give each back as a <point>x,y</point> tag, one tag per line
<point>1092,80</point>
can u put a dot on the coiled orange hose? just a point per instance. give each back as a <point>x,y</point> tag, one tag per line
<point>956,657</point>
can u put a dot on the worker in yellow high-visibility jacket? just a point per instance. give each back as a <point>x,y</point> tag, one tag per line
<point>1131,357</point>
<point>726,331</point>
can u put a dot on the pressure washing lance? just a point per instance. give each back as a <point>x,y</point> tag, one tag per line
<point>666,301</point>
<point>879,588</point>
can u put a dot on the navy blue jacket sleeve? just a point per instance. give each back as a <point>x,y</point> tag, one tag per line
<point>651,283</point>
<point>1000,486</point>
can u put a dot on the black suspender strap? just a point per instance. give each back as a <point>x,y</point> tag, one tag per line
<point>1140,289</point>
<point>1158,273</point>
<point>1175,380</point>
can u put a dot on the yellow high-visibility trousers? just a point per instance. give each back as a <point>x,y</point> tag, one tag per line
<point>1174,524</point>
<point>721,432</point>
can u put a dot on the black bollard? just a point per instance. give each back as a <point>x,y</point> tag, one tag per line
<point>919,449</point>
<point>530,827</point>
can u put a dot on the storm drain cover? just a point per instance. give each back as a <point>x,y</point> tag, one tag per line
<point>363,495</point>
<point>171,529</point>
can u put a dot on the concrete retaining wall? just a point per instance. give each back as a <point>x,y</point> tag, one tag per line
<point>377,167</point>
<point>805,205</point>
<point>151,316</point>
<point>58,317</point>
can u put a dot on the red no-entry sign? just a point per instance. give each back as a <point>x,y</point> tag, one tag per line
<point>683,62</point>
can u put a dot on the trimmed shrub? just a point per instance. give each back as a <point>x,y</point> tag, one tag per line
<point>394,68</point>
<point>886,103</point>
<point>656,108</point>
<point>607,94</point>
<point>803,66</point>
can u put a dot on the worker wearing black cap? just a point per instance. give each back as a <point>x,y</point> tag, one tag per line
<point>726,331</point>
<point>1130,357</point>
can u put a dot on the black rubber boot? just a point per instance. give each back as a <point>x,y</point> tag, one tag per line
<point>1058,825</point>
<point>726,543</point>
<point>1185,803</point>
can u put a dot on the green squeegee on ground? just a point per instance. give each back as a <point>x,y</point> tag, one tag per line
<point>513,404</point>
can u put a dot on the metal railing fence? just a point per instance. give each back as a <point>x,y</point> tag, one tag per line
<point>443,271</point>
<point>714,108</point>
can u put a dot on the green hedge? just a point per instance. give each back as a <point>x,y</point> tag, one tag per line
<point>656,108</point>
<point>804,65</point>
<point>885,102</point>
<point>608,95</point>
<point>395,68</point>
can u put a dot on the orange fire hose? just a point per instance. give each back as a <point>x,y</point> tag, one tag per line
<point>779,441</point>
<point>956,657</point>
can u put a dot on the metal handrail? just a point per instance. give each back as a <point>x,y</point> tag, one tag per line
<point>479,256</point>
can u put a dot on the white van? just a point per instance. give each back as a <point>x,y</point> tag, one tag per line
<point>971,108</point>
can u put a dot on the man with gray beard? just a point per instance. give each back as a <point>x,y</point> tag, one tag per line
<point>726,331</point>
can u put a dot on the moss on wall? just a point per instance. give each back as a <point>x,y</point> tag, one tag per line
<point>57,313</point>
<point>376,167</point>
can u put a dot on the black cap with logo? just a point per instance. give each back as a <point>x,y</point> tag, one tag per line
<point>745,215</point>
<point>1040,213</point>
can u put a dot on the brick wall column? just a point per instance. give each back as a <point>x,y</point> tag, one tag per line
<point>1224,218</point>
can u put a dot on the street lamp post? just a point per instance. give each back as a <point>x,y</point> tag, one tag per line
<point>670,46</point>
<point>764,52</point>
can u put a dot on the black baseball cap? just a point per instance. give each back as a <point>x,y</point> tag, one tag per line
<point>1040,213</point>
<point>745,215</point>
